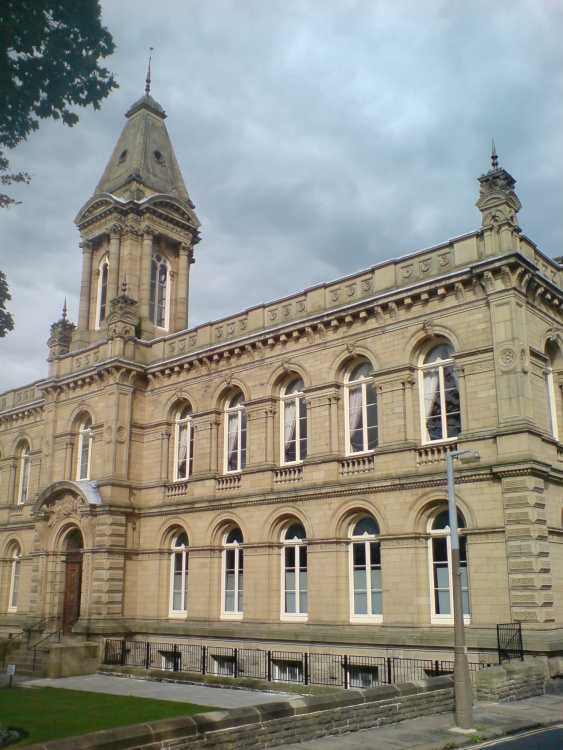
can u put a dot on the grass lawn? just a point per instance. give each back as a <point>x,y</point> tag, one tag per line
<point>51,713</point>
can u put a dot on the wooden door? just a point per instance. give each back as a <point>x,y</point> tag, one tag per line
<point>73,584</point>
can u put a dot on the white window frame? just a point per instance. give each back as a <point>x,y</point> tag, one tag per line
<point>299,547</point>
<point>551,400</point>
<point>235,434</point>
<point>358,388</point>
<point>357,672</point>
<point>424,368</point>
<point>85,440</point>
<point>294,427</point>
<point>282,670</point>
<point>435,617</point>
<point>102,302</point>
<point>233,548</point>
<point>184,426</point>
<point>15,580</point>
<point>159,312</point>
<point>366,539</point>
<point>24,474</point>
<point>180,554</point>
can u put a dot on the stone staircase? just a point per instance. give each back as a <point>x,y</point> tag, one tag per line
<point>28,663</point>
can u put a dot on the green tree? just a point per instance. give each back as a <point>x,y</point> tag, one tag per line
<point>6,320</point>
<point>49,53</point>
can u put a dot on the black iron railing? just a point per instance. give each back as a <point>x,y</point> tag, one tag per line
<point>509,640</point>
<point>338,670</point>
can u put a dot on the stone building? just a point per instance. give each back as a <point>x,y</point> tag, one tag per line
<point>277,477</point>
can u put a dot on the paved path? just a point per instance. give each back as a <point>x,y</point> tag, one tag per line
<point>166,691</point>
<point>435,732</point>
<point>429,733</point>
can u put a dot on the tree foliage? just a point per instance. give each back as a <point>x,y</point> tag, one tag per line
<point>6,320</point>
<point>49,52</point>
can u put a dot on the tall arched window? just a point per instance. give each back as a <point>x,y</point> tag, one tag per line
<point>551,392</point>
<point>365,564</point>
<point>160,279</point>
<point>233,573</point>
<point>441,567</point>
<point>294,584</point>
<point>441,417</point>
<point>15,580</point>
<point>84,453</point>
<point>24,470</point>
<point>184,442</point>
<point>361,407</point>
<point>102,301</point>
<point>294,423</point>
<point>235,453</point>
<point>179,576</point>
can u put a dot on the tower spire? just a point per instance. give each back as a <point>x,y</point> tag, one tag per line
<point>148,79</point>
<point>494,156</point>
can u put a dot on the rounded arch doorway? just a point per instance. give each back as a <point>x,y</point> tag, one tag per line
<point>74,544</point>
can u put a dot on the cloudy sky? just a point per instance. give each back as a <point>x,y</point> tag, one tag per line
<point>316,138</point>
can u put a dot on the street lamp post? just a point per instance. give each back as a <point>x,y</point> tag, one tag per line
<point>463,696</point>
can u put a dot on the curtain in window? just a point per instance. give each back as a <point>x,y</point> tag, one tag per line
<point>355,417</point>
<point>232,457</point>
<point>289,430</point>
<point>183,452</point>
<point>432,409</point>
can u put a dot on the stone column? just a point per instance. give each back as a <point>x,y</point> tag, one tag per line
<point>182,294</point>
<point>408,401</point>
<point>85,285</point>
<point>165,454</point>
<point>145,280</point>
<point>114,246</point>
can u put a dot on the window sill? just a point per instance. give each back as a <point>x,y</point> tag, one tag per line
<point>177,615</point>
<point>231,616</point>
<point>366,619</point>
<point>448,620</point>
<point>294,618</point>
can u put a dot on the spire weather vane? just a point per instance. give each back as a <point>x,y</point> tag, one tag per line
<point>148,79</point>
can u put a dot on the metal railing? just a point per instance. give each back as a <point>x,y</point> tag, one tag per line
<point>20,635</point>
<point>509,641</point>
<point>339,670</point>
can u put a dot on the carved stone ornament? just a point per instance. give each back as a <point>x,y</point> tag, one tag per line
<point>243,323</point>
<point>350,290</point>
<point>425,265</point>
<point>444,259</point>
<point>321,330</point>
<point>219,331</point>
<point>428,328</point>
<point>300,306</point>
<point>272,314</point>
<point>230,329</point>
<point>286,311</point>
<point>366,285</point>
<point>407,271</point>
<point>393,311</point>
<point>506,358</point>
<point>62,508</point>
<point>335,294</point>
<point>351,348</point>
<point>459,292</point>
<point>378,312</point>
<point>108,433</point>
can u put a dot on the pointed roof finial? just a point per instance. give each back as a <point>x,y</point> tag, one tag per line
<point>124,286</point>
<point>64,310</point>
<point>494,156</point>
<point>148,81</point>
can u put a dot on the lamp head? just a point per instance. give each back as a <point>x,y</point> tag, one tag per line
<point>469,457</point>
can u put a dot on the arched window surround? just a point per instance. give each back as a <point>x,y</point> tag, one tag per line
<point>102,292</point>
<point>183,443</point>
<point>235,434</point>
<point>366,587</point>
<point>15,571</point>
<point>293,423</point>
<point>440,568</point>
<point>361,423</point>
<point>84,449</point>
<point>440,411</point>
<point>232,575</point>
<point>179,560</point>
<point>294,573</point>
<point>160,283</point>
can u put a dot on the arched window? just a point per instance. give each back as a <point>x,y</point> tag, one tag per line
<point>365,564</point>
<point>84,453</point>
<point>233,573</point>
<point>184,442</point>
<point>160,278</point>
<point>361,407</point>
<point>441,417</point>
<point>24,470</point>
<point>14,580</point>
<point>102,300</point>
<point>551,392</point>
<point>179,576</point>
<point>235,453</point>
<point>294,584</point>
<point>294,423</point>
<point>441,568</point>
